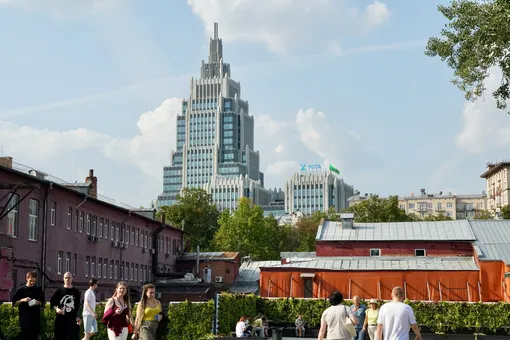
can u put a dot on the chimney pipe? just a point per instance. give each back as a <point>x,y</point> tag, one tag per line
<point>91,173</point>
<point>163,217</point>
<point>198,261</point>
<point>93,180</point>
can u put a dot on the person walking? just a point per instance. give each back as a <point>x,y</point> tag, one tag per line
<point>29,299</point>
<point>89,310</point>
<point>370,324</point>
<point>117,313</point>
<point>66,302</point>
<point>395,318</point>
<point>148,314</point>
<point>358,309</point>
<point>334,319</point>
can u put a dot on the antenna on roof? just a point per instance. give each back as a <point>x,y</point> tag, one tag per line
<point>215,30</point>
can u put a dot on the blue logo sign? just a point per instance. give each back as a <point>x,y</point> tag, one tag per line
<point>310,167</point>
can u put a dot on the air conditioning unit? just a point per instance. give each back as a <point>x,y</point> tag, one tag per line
<point>96,239</point>
<point>218,279</point>
<point>90,238</point>
<point>144,250</point>
<point>153,251</point>
<point>117,244</point>
<point>167,255</point>
<point>125,245</point>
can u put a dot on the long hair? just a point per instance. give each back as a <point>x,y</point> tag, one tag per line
<point>141,305</point>
<point>127,297</point>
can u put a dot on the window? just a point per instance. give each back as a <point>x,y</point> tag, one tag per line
<point>93,267</point>
<point>77,220</point>
<point>117,232</point>
<point>126,271</point>
<point>12,217</point>
<point>116,269</point>
<point>99,267</point>
<point>128,235</point>
<point>133,236</point>
<point>375,252</point>
<point>140,273</point>
<point>137,237</point>
<point>53,213</point>
<point>132,274</point>
<point>94,225</point>
<point>88,225</point>
<point>411,205</point>
<point>69,218</point>
<point>112,230</point>
<point>105,268</point>
<point>111,269</point>
<point>106,228</point>
<point>60,256</point>
<point>100,230</point>
<point>33,219</point>
<point>439,206</point>
<point>449,204</point>
<point>308,287</point>
<point>75,264</point>
<point>146,239</point>
<point>87,266</point>
<point>419,252</point>
<point>68,263</point>
<point>136,273</point>
<point>82,222</point>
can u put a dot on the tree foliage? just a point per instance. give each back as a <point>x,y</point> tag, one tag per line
<point>437,217</point>
<point>307,228</point>
<point>475,40</point>
<point>196,212</point>
<point>377,209</point>
<point>247,231</point>
<point>483,215</point>
<point>505,212</point>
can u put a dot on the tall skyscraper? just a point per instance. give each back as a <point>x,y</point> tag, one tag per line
<point>215,140</point>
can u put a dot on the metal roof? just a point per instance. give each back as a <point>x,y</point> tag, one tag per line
<point>457,230</point>
<point>247,282</point>
<point>382,263</point>
<point>211,256</point>
<point>297,254</point>
<point>492,239</point>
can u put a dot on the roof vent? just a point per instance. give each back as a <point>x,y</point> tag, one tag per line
<point>347,220</point>
<point>38,174</point>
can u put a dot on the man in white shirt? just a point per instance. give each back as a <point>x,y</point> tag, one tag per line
<point>89,310</point>
<point>395,319</point>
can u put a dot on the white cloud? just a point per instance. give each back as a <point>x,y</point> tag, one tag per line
<point>60,8</point>
<point>286,24</point>
<point>485,127</point>
<point>280,148</point>
<point>282,167</point>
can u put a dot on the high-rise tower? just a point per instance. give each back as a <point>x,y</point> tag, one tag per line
<point>215,140</point>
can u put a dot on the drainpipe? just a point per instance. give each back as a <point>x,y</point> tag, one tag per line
<point>198,262</point>
<point>44,234</point>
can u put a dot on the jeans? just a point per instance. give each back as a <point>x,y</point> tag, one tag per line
<point>360,334</point>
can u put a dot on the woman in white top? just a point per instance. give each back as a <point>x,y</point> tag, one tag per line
<point>241,328</point>
<point>334,319</point>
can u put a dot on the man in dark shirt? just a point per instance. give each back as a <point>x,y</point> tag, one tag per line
<point>29,299</point>
<point>66,303</point>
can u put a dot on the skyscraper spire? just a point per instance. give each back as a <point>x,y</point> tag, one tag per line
<point>215,30</point>
<point>215,47</point>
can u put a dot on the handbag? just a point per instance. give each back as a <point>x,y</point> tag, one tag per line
<point>349,325</point>
<point>130,328</point>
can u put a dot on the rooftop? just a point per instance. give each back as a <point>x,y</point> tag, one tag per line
<point>457,230</point>
<point>381,263</point>
<point>492,240</point>
<point>247,282</point>
<point>495,167</point>
<point>209,256</point>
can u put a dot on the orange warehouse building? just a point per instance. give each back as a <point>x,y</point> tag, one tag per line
<point>433,261</point>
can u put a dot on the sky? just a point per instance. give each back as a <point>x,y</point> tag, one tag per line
<point>97,84</point>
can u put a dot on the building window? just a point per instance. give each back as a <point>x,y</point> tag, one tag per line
<point>137,237</point>
<point>449,205</point>
<point>68,262</point>
<point>12,217</point>
<point>93,267</point>
<point>419,252</point>
<point>112,230</point>
<point>82,222</point>
<point>140,270</point>
<point>60,256</point>
<point>439,206</point>
<point>101,223</point>
<point>133,236</point>
<point>33,219</point>
<point>111,269</point>
<point>87,266</point>
<point>88,225</point>
<point>77,220</point>
<point>69,218</point>
<point>106,229</point>
<point>375,252</point>
<point>136,273</point>
<point>126,271</point>
<point>75,264</point>
<point>53,214</point>
<point>131,273</point>
<point>105,268</point>
<point>128,234</point>
<point>99,263</point>
<point>411,205</point>
<point>117,231</point>
<point>116,269</point>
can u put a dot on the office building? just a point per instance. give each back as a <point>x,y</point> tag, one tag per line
<point>497,177</point>
<point>215,139</point>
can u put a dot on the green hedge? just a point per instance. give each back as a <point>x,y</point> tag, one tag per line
<point>191,321</point>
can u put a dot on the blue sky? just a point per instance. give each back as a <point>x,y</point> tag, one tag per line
<point>97,84</point>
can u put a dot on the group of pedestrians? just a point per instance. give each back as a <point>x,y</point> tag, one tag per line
<point>66,302</point>
<point>390,322</point>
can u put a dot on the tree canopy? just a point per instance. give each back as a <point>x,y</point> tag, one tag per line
<point>196,212</point>
<point>475,40</point>
<point>484,215</point>
<point>505,212</point>
<point>307,228</point>
<point>377,209</point>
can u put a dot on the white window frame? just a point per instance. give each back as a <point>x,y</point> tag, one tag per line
<point>69,218</point>
<point>68,262</point>
<point>88,224</point>
<point>82,222</point>
<point>378,252</point>
<point>87,266</point>
<point>424,253</point>
<point>13,217</point>
<point>53,213</point>
<point>75,264</point>
<point>99,268</point>
<point>112,266</point>
<point>33,219</point>
<point>60,260</point>
<point>100,230</point>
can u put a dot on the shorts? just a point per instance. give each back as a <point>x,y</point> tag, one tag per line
<point>89,324</point>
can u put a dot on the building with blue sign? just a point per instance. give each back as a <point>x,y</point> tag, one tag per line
<point>215,140</point>
<point>308,191</point>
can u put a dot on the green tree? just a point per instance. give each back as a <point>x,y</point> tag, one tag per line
<point>247,231</point>
<point>505,212</point>
<point>198,215</point>
<point>438,217</point>
<point>475,40</point>
<point>307,228</point>
<point>483,215</point>
<point>377,209</point>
